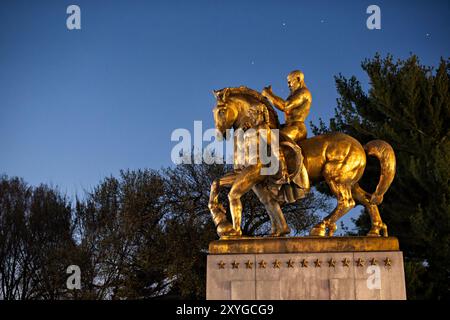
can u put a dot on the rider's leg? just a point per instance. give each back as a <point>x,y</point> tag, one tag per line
<point>244,181</point>
<point>283,171</point>
<point>297,132</point>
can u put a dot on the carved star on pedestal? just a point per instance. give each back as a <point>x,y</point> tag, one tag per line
<point>317,263</point>
<point>304,263</point>
<point>373,262</point>
<point>360,262</point>
<point>235,265</point>
<point>332,263</point>
<point>290,263</point>
<point>249,264</point>
<point>346,262</point>
<point>276,264</point>
<point>221,265</point>
<point>387,262</point>
<point>262,264</point>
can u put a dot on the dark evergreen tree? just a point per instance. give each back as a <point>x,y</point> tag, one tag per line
<point>407,105</point>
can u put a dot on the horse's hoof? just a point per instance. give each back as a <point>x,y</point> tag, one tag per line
<point>377,229</point>
<point>224,228</point>
<point>318,230</point>
<point>229,232</point>
<point>280,233</point>
<point>374,232</point>
<point>285,231</point>
<point>277,234</point>
<point>274,234</point>
<point>384,229</point>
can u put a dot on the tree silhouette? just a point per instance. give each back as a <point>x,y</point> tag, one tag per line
<point>407,105</point>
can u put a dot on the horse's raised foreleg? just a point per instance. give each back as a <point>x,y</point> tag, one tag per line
<point>218,212</point>
<point>245,180</point>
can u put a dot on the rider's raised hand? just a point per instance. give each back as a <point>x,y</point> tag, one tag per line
<point>267,91</point>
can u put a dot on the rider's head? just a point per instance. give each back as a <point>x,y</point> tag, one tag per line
<point>296,80</point>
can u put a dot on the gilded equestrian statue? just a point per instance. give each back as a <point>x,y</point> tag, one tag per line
<point>337,158</point>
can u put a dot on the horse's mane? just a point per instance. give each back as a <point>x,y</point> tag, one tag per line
<point>244,91</point>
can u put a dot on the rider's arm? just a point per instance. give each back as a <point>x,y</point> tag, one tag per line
<point>295,102</point>
<point>278,102</point>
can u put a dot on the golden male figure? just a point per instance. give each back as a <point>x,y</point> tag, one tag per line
<point>296,108</point>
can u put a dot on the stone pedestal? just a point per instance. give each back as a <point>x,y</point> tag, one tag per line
<point>305,268</point>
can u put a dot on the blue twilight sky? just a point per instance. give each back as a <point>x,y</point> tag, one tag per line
<point>79,105</point>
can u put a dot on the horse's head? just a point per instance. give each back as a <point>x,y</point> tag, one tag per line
<point>225,111</point>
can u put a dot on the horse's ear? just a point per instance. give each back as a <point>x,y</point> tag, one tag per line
<point>216,93</point>
<point>225,94</point>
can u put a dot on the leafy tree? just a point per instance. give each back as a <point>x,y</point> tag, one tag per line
<point>407,105</point>
<point>14,202</point>
<point>35,241</point>
<point>50,244</point>
<point>142,235</point>
<point>121,235</point>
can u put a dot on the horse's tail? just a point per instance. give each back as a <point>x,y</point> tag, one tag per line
<point>385,154</point>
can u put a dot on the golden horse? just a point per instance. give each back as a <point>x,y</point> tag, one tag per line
<point>337,158</point>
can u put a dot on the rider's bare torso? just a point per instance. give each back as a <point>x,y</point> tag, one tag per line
<point>299,104</point>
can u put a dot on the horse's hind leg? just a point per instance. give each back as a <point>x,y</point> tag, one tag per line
<point>364,197</point>
<point>338,179</point>
<point>279,225</point>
